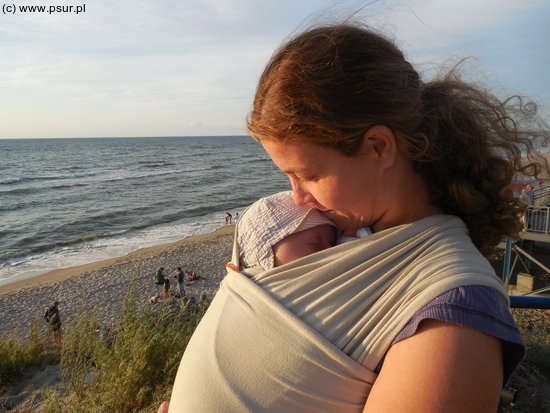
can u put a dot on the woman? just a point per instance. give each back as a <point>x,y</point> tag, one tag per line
<point>411,318</point>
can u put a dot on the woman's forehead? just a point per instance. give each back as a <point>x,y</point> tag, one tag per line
<point>295,157</point>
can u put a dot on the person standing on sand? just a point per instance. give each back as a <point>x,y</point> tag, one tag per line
<point>166,292</point>
<point>228,218</point>
<point>54,321</point>
<point>180,278</point>
<point>159,277</point>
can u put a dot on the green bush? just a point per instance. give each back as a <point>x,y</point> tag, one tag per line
<point>16,354</point>
<point>130,368</point>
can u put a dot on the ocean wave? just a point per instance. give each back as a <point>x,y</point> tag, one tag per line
<point>35,190</point>
<point>105,176</point>
<point>109,223</point>
<point>22,204</point>
<point>94,226</point>
<point>22,253</point>
<point>25,180</point>
<point>16,191</point>
<point>60,182</point>
<point>123,176</point>
<point>201,210</point>
<point>149,164</point>
<point>129,175</point>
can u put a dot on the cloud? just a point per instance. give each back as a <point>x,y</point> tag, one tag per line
<point>145,64</point>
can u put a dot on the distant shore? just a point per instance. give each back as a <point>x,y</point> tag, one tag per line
<point>103,285</point>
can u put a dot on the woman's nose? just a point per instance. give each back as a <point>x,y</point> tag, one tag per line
<point>302,198</point>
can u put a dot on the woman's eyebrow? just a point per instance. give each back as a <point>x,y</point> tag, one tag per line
<point>294,171</point>
<point>303,170</point>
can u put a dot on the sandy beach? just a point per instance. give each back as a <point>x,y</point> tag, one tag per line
<point>103,285</point>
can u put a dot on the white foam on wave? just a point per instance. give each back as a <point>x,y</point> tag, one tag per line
<point>105,248</point>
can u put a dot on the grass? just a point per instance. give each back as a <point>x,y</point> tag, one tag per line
<point>130,368</point>
<point>17,354</point>
<point>535,330</point>
<point>532,377</point>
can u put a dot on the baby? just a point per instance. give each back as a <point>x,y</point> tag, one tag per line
<point>274,231</point>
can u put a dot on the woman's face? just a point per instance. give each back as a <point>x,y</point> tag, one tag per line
<point>345,188</point>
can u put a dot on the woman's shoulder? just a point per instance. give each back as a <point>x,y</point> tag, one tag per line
<point>479,307</point>
<point>461,304</point>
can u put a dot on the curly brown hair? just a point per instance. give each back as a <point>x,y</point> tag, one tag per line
<point>330,84</point>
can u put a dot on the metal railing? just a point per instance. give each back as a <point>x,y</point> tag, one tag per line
<point>522,301</point>
<point>537,219</point>
<point>541,195</point>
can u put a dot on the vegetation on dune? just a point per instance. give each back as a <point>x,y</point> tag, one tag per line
<point>17,354</point>
<point>130,368</point>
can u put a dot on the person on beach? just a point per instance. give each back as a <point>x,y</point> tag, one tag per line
<point>54,321</point>
<point>166,290</point>
<point>228,218</point>
<point>159,276</point>
<point>411,318</point>
<point>274,231</point>
<point>192,276</point>
<point>180,279</point>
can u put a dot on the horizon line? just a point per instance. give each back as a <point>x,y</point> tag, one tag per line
<point>126,137</point>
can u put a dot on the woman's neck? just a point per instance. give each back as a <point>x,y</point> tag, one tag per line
<point>409,204</point>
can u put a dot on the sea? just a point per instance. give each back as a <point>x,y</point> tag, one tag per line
<point>67,202</point>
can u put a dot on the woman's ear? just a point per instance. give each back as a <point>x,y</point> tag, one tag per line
<point>379,143</point>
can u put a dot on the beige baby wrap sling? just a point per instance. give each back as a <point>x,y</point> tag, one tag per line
<point>307,336</point>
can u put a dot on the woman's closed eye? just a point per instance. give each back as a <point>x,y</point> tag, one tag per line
<point>309,178</point>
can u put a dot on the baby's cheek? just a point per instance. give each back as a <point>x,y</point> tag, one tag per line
<point>315,248</point>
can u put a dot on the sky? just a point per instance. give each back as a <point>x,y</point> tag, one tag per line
<point>189,68</point>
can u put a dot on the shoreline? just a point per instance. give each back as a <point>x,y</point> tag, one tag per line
<point>103,285</point>
<point>62,274</point>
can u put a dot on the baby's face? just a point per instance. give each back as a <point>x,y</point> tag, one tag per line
<point>303,243</point>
